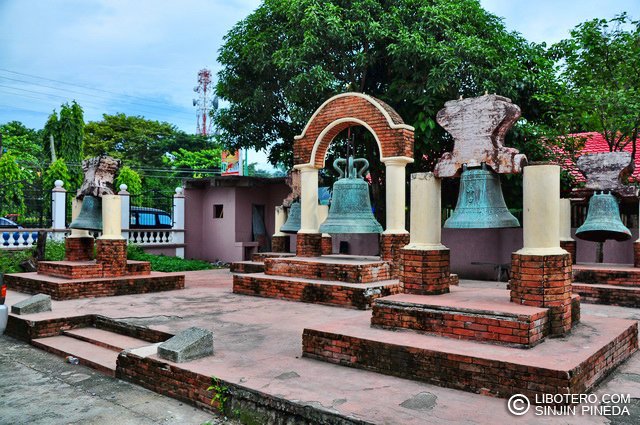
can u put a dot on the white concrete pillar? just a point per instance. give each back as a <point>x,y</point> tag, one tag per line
<point>395,172</point>
<point>125,204</point>
<point>565,220</point>
<point>58,209</point>
<point>308,198</point>
<point>281,218</point>
<point>111,217</point>
<point>178,220</point>
<point>541,210</point>
<point>76,207</point>
<point>323,213</point>
<point>426,211</point>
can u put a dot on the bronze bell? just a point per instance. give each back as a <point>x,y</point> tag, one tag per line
<point>90,217</point>
<point>350,210</point>
<point>603,220</point>
<point>292,225</point>
<point>480,202</point>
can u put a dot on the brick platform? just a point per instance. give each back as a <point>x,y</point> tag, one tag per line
<point>352,295</point>
<point>340,268</point>
<point>608,294</point>
<point>309,245</point>
<point>390,249</point>
<point>636,254</point>
<point>280,243</point>
<point>78,249</point>
<point>68,289</point>
<point>610,284</point>
<point>260,256</point>
<point>247,267</point>
<point>570,247</point>
<point>466,313</point>
<point>326,245</point>
<point>572,364</point>
<point>111,254</point>
<point>88,269</point>
<point>425,272</point>
<point>544,281</point>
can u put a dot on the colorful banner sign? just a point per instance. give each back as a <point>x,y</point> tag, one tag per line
<point>231,164</point>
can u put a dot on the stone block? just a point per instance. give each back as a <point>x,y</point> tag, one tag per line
<point>36,304</point>
<point>187,345</point>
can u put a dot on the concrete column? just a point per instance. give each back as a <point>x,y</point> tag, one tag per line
<point>76,207</point>
<point>395,193</point>
<point>323,213</point>
<point>111,218</point>
<point>308,199</point>
<point>565,220</point>
<point>58,208</point>
<point>281,218</point>
<point>178,220</point>
<point>541,215</point>
<point>125,204</point>
<point>426,210</point>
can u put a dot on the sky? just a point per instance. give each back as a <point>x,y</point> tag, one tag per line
<point>142,57</point>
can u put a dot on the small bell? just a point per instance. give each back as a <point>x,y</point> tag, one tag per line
<point>350,210</point>
<point>90,216</point>
<point>292,225</point>
<point>480,202</point>
<point>603,220</point>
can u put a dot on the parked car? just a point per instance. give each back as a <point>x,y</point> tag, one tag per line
<point>149,218</point>
<point>5,223</point>
<point>4,311</point>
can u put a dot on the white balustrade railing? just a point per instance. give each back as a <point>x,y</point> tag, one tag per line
<point>26,238</point>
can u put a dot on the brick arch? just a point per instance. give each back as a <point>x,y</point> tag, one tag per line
<point>393,136</point>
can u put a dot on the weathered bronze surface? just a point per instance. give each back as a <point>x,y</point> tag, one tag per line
<point>480,202</point>
<point>350,210</point>
<point>292,225</point>
<point>603,220</point>
<point>90,216</point>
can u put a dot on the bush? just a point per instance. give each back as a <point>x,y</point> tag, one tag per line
<point>164,263</point>
<point>10,260</point>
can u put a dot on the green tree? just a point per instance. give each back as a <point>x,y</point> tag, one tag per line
<point>58,170</point>
<point>67,130</point>
<point>12,178</point>
<point>204,159</point>
<point>282,61</point>
<point>131,178</point>
<point>25,145</point>
<point>599,71</point>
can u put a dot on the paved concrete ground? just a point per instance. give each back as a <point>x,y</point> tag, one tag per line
<point>40,388</point>
<point>258,345</point>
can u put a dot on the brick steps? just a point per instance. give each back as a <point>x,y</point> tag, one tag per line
<point>607,274</point>
<point>573,364</point>
<point>623,296</point>
<point>351,295</point>
<point>464,313</point>
<point>94,348</point>
<point>340,268</point>
<point>93,356</point>
<point>247,267</point>
<point>261,256</point>
<point>89,269</point>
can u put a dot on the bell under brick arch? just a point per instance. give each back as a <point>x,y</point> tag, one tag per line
<point>395,141</point>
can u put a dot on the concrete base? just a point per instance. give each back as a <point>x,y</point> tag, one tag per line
<point>574,364</point>
<point>69,289</point>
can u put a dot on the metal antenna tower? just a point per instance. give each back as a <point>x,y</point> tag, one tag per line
<point>205,102</point>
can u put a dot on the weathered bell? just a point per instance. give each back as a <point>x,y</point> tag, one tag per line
<point>603,220</point>
<point>480,202</point>
<point>90,217</point>
<point>350,210</point>
<point>292,225</point>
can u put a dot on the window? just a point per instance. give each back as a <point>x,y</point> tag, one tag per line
<point>147,219</point>
<point>164,219</point>
<point>218,211</point>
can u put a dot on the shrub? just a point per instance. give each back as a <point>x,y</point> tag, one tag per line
<point>164,263</point>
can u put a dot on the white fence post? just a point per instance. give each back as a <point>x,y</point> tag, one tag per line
<point>125,200</point>
<point>58,209</point>
<point>178,221</point>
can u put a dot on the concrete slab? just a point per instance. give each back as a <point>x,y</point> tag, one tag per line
<point>36,304</point>
<point>187,345</point>
<point>99,358</point>
<point>258,340</point>
<point>106,339</point>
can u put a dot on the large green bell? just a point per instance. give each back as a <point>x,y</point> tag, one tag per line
<point>90,217</point>
<point>350,210</point>
<point>480,202</point>
<point>292,225</point>
<point>603,220</point>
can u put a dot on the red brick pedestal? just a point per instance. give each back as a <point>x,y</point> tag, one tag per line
<point>570,247</point>
<point>636,254</point>
<point>390,249</point>
<point>280,244</point>
<point>425,272</point>
<point>78,249</point>
<point>111,254</point>
<point>544,281</point>
<point>327,245</point>
<point>309,245</point>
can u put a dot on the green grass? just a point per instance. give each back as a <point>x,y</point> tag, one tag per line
<point>10,260</point>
